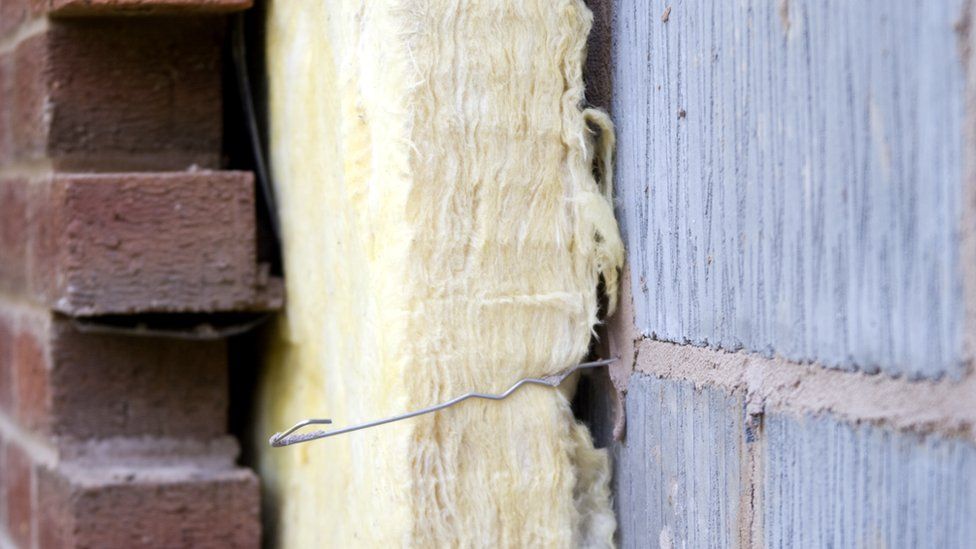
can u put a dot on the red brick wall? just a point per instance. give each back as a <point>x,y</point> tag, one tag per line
<point>112,202</point>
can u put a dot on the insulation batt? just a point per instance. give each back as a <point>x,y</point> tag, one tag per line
<point>444,229</point>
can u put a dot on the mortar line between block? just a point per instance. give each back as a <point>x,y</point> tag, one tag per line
<point>778,385</point>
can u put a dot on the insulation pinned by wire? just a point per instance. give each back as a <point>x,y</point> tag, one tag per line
<point>288,437</point>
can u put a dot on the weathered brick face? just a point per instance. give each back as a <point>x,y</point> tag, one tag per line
<point>161,242</point>
<point>165,116</point>
<point>14,228</point>
<point>135,242</point>
<point>6,365</point>
<point>112,202</point>
<point>18,480</point>
<point>32,378</point>
<point>161,113</point>
<point>90,8</point>
<point>112,386</point>
<point>207,508</point>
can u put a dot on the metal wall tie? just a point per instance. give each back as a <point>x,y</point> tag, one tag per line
<point>287,438</point>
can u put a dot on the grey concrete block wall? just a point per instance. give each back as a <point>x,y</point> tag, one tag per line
<point>796,178</point>
<point>696,470</point>
<point>790,175</point>
<point>829,484</point>
<point>678,480</point>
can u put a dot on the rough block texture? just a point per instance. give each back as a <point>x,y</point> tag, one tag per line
<point>789,177</point>
<point>156,242</point>
<point>119,95</point>
<point>678,481</point>
<point>18,493</point>
<point>162,507</point>
<point>828,484</point>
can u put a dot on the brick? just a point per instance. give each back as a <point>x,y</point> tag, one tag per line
<point>679,471</point>
<point>29,67</point>
<point>166,506</point>
<point>794,207</point>
<point>18,493</point>
<point>112,385</point>
<point>112,94</point>
<point>78,385</point>
<point>135,243</point>
<point>32,377</point>
<point>7,327</point>
<point>75,8</point>
<point>827,483</point>
<point>13,13</point>
<point>155,243</point>
<point>6,98</point>
<point>4,475</point>
<point>14,235</point>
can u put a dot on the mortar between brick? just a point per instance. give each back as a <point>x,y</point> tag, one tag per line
<point>31,444</point>
<point>776,384</point>
<point>5,541</point>
<point>34,171</point>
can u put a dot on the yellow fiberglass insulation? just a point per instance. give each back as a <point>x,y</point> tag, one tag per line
<point>443,231</point>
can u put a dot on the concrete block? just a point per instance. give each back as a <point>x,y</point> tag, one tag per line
<point>678,481</point>
<point>829,484</point>
<point>790,177</point>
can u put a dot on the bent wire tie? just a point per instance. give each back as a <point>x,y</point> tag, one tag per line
<point>287,438</point>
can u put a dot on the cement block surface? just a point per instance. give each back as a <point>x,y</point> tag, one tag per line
<point>829,484</point>
<point>678,476</point>
<point>790,177</point>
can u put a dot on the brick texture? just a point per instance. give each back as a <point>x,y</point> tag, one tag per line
<point>6,364</point>
<point>17,494</point>
<point>86,386</point>
<point>172,507</point>
<point>31,379</point>
<point>126,386</point>
<point>756,217</point>
<point>135,243</point>
<point>179,242</point>
<point>12,14</point>
<point>14,229</point>
<point>119,94</point>
<point>110,129</point>
<point>142,7</point>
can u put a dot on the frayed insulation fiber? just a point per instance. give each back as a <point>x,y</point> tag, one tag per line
<point>443,231</point>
